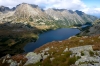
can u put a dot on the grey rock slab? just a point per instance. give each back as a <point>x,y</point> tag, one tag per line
<point>65,50</point>
<point>81,48</point>
<point>33,58</point>
<point>14,63</point>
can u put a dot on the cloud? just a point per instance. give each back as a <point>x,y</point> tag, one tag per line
<point>92,11</point>
<point>65,4</point>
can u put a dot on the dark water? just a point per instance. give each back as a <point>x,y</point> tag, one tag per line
<point>53,35</point>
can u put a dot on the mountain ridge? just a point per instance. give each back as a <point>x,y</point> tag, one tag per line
<point>33,14</point>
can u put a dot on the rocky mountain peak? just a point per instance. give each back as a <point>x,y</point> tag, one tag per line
<point>34,6</point>
<point>71,11</point>
<point>4,9</point>
<point>1,6</point>
<point>59,10</point>
<point>79,12</point>
<point>26,10</point>
<point>69,16</point>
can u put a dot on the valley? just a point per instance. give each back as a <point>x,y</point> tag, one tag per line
<point>31,36</point>
<point>23,24</point>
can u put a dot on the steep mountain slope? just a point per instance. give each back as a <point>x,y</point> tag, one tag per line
<point>25,11</point>
<point>27,14</point>
<point>93,30</point>
<point>86,17</point>
<point>5,17</point>
<point>70,17</point>
<point>65,15</point>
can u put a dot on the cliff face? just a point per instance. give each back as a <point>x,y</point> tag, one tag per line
<point>26,10</point>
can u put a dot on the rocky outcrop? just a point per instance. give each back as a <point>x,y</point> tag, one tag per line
<point>81,48</point>
<point>87,56</point>
<point>33,58</point>
<point>17,60</point>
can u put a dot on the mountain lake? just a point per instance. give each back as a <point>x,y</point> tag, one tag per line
<point>49,36</point>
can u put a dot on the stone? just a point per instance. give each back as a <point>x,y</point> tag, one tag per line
<point>45,56</point>
<point>86,59</point>
<point>85,36</point>
<point>52,47</point>
<point>42,53</point>
<point>83,65</point>
<point>9,61</point>
<point>78,54</point>
<point>14,63</point>
<point>98,53</point>
<point>65,50</point>
<point>60,41</point>
<point>77,63</point>
<point>46,52</point>
<point>51,59</point>
<point>33,58</point>
<point>8,56</point>
<point>92,40</point>
<point>99,37</point>
<point>69,37</point>
<point>20,62</point>
<point>4,60</point>
<point>46,49</point>
<point>86,53</point>
<point>81,48</point>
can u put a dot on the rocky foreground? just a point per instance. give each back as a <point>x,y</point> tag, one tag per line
<point>75,51</point>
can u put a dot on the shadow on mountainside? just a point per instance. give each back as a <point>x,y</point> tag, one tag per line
<point>13,37</point>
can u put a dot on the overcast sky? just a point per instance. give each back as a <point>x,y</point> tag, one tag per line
<point>87,6</point>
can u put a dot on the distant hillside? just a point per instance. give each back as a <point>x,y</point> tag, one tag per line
<point>4,9</point>
<point>86,17</point>
<point>93,30</point>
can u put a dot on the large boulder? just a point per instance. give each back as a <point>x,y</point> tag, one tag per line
<point>81,48</point>
<point>14,63</point>
<point>33,58</point>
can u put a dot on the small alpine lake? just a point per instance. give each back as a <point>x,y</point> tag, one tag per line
<point>49,36</point>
